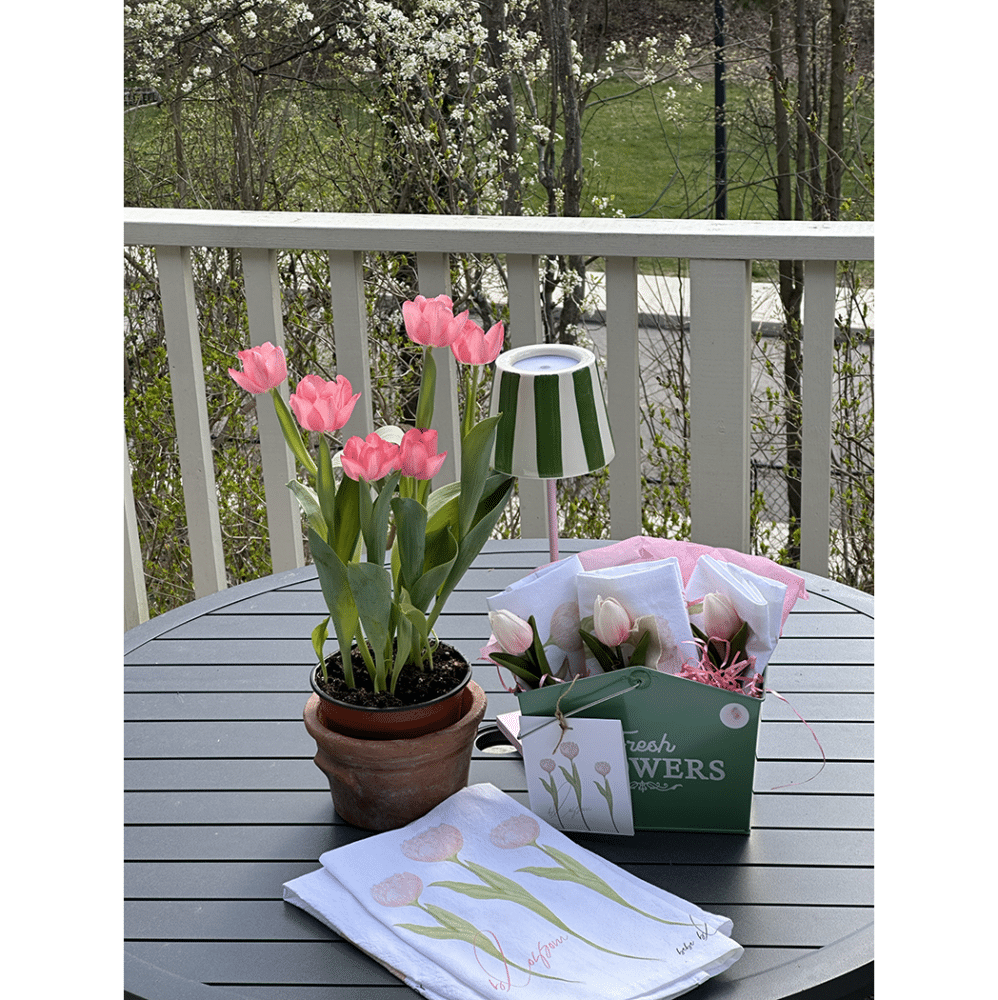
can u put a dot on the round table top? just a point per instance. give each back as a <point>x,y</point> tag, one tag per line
<point>223,803</point>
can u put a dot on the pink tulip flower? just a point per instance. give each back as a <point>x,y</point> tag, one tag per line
<point>473,346</point>
<point>418,454</point>
<point>720,620</point>
<point>432,322</point>
<point>611,622</point>
<point>264,368</point>
<point>511,632</point>
<point>325,406</point>
<point>370,458</point>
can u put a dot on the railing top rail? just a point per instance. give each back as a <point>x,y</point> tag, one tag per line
<point>688,238</point>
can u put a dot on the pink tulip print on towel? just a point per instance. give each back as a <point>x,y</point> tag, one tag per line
<point>481,897</point>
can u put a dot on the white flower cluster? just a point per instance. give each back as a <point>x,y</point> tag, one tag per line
<point>156,32</point>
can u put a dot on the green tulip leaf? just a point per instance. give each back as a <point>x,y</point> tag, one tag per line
<point>346,522</point>
<point>410,538</point>
<point>604,657</point>
<point>309,503</point>
<point>337,594</point>
<point>291,433</point>
<point>476,453</point>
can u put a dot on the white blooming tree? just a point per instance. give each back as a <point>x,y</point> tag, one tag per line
<point>222,68</point>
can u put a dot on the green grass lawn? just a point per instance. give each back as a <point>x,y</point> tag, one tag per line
<point>649,153</point>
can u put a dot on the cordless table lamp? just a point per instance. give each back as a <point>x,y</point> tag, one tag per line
<point>554,422</point>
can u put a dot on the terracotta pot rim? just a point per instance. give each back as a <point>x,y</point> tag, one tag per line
<point>471,717</point>
<point>388,710</point>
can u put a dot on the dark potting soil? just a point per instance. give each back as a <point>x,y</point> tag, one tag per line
<point>414,685</point>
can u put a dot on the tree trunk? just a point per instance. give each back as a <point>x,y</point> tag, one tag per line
<point>503,118</point>
<point>839,11</point>
<point>791,284</point>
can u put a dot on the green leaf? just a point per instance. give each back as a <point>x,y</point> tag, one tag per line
<point>403,635</point>
<point>537,649</point>
<point>346,521</point>
<point>604,657</point>
<point>490,510</point>
<point>291,433</point>
<point>438,563</point>
<point>472,889</point>
<point>640,650</point>
<point>337,594</point>
<point>309,503</point>
<point>476,454</point>
<point>516,665</point>
<point>326,488</point>
<point>410,538</point>
<point>374,517</point>
<point>319,635</point>
<point>371,587</point>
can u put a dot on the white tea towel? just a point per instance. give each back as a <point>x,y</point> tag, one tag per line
<point>652,591</point>
<point>549,595</point>
<point>757,599</point>
<point>481,896</point>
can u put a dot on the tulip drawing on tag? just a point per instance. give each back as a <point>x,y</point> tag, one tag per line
<point>603,768</point>
<point>548,765</point>
<point>571,751</point>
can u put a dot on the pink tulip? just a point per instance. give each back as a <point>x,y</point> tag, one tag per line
<point>570,750</point>
<point>418,454</point>
<point>402,889</point>
<point>517,831</point>
<point>473,346</point>
<point>264,368</point>
<point>435,844</point>
<point>432,322</point>
<point>611,622</point>
<point>511,632</point>
<point>720,620</point>
<point>370,458</point>
<point>323,406</point>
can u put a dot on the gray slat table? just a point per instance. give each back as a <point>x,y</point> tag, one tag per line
<point>223,803</point>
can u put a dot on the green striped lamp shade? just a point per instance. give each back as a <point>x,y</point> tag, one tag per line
<point>554,423</point>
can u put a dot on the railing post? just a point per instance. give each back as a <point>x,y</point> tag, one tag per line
<point>263,304</point>
<point>346,283</point>
<point>720,414</point>
<point>622,389</point>
<point>136,602</point>
<point>525,328</point>
<point>816,416</point>
<point>190,413</point>
<point>433,270</point>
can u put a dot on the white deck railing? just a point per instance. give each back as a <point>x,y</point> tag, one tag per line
<point>720,255</point>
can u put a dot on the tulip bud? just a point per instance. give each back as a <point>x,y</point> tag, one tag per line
<point>611,622</point>
<point>511,632</point>
<point>720,620</point>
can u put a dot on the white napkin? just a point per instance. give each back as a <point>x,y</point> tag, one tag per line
<point>647,588</point>
<point>549,595</point>
<point>757,599</point>
<point>481,896</point>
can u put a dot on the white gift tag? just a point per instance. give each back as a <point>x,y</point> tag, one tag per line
<point>580,781</point>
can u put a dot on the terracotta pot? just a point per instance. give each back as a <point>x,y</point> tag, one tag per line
<point>390,723</point>
<point>384,784</point>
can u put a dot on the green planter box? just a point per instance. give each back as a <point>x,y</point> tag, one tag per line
<point>691,748</point>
